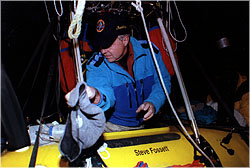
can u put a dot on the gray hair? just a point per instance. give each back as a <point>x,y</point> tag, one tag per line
<point>120,37</point>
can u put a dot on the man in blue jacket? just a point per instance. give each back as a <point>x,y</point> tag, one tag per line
<point>122,78</point>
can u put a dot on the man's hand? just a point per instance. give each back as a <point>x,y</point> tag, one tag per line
<point>93,94</point>
<point>149,108</point>
<point>67,96</point>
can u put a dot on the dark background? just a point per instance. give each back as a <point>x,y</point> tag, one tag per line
<point>23,23</point>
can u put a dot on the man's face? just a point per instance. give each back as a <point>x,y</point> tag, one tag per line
<point>117,50</point>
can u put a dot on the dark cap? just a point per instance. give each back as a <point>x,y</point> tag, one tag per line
<point>108,27</point>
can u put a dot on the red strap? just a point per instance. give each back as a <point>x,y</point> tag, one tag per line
<point>68,68</point>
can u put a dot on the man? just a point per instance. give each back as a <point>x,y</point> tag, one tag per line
<point>122,78</point>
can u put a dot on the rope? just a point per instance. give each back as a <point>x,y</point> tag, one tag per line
<point>77,20</point>
<point>103,149</point>
<point>169,21</point>
<point>89,163</point>
<point>139,8</point>
<point>47,11</point>
<point>60,7</point>
<point>48,16</point>
<point>51,71</point>
<point>74,5</point>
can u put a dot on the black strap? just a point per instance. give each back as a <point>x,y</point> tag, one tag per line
<point>100,160</point>
<point>35,149</point>
<point>47,91</point>
<point>51,71</point>
<point>43,44</point>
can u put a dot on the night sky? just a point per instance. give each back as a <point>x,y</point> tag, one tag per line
<point>23,23</point>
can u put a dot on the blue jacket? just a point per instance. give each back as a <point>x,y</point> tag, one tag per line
<point>122,94</point>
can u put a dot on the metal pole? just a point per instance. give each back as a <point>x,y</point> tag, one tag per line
<point>180,80</point>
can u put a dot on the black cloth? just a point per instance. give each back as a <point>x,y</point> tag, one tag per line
<point>85,124</point>
<point>12,120</point>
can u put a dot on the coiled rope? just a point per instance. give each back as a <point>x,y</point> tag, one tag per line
<point>77,20</point>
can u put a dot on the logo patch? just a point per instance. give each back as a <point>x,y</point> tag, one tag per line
<point>121,27</point>
<point>100,25</point>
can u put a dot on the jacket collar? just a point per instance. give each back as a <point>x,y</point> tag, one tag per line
<point>137,48</point>
<point>138,51</point>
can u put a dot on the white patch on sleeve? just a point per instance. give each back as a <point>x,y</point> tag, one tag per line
<point>79,121</point>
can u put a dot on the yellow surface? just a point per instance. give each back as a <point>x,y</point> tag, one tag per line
<point>241,149</point>
<point>160,154</point>
<point>48,156</point>
<point>171,151</point>
<point>135,133</point>
<point>180,152</point>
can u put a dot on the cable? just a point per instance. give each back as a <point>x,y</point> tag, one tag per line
<point>48,16</point>
<point>60,7</point>
<point>186,101</point>
<point>229,151</point>
<point>169,27</point>
<point>45,99</point>
<point>226,140</point>
<point>47,10</point>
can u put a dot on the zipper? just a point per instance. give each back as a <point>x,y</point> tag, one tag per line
<point>134,84</point>
<point>129,94</point>
<point>142,89</point>
<point>136,95</point>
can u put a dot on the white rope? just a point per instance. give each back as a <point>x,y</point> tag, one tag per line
<point>60,7</point>
<point>74,5</point>
<point>139,8</point>
<point>103,149</point>
<point>77,20</point>
<point>77,57</point>
<point>169,21</point>
<point>89,163</point>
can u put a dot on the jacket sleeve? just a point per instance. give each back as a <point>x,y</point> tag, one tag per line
<point>99,78</point>
<point>157,95</point>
